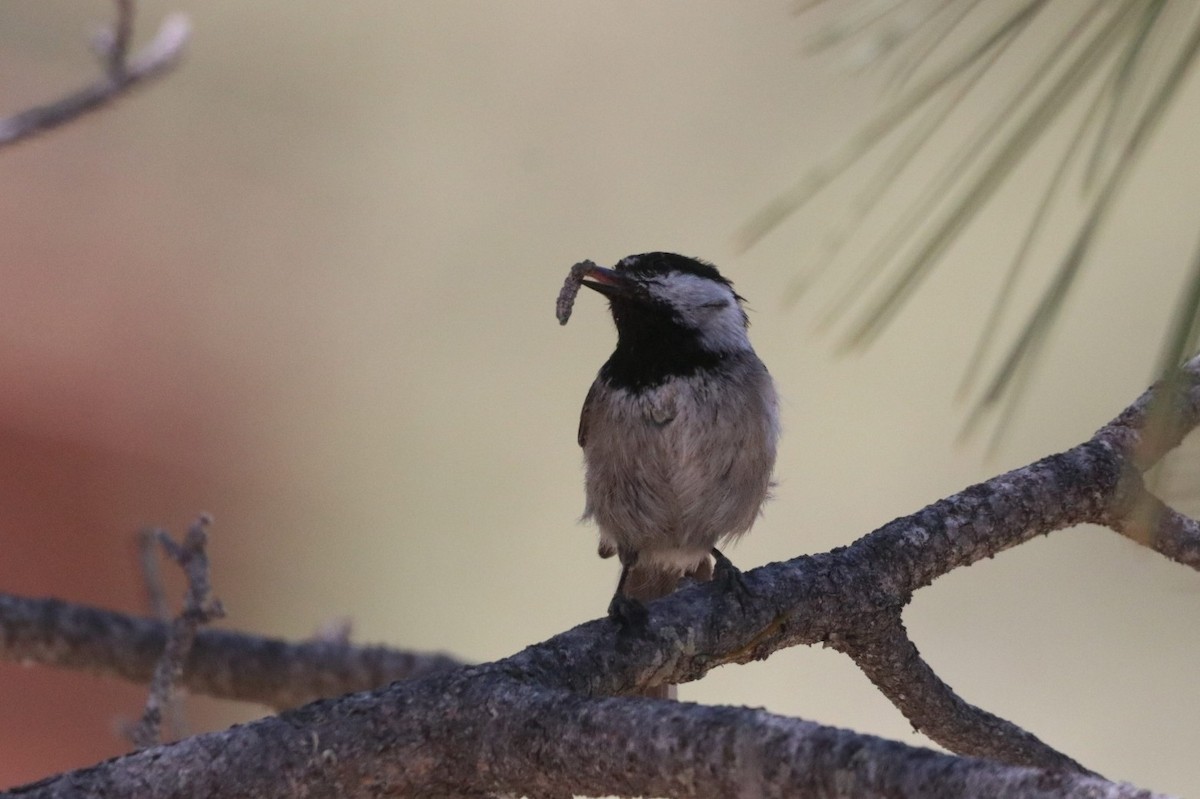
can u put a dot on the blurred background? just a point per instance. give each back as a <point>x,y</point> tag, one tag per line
<point>306,283</point>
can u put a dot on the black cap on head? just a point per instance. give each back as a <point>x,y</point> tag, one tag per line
<point>662,263</point>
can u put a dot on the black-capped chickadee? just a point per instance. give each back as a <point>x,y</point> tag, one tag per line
<point>678,430</point>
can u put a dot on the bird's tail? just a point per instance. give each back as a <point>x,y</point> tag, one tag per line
<point>649,582</point>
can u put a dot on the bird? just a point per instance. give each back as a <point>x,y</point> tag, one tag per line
<point>679,430</point>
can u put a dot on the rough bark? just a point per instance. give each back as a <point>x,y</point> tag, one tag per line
<point>549,721</point>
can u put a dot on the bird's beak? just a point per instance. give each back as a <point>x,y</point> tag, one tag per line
<point>608,282</point>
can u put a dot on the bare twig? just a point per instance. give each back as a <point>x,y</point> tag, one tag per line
<point>122,73</point>
<point>199,607</point>
<point>122,34</point>
<point>156,600</point>
<point>156,593</point>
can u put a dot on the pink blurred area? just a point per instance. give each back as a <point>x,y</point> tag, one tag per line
<point>117,409</point>
<point>68,507</point>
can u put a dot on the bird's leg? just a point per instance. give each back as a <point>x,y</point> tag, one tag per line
<point>729,577</point>
<point>702,572</point>
<point>623,609</point>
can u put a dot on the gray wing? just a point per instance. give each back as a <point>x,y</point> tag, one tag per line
<point>585,414</point>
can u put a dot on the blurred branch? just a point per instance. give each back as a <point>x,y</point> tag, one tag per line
<point>156,602</point>
<point>224,664</point>
<point>544,721</point>
<point>156,592</point>
<point>199,607</point>
<point>122,72</point>
<point>121,35</point>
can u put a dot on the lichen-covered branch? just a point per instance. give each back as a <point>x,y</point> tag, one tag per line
<point>222,663</point>
<point>481,730</point>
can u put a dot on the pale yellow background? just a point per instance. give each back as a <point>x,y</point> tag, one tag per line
<point>318,266</point>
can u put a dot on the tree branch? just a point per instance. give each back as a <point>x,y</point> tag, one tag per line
<point>883,650</point>
<point>544,721</point>
<point>222,663</point>
<point>122,73</point>
<point>498,728</point>
<point>1164,529</point>
<point>482,730</point>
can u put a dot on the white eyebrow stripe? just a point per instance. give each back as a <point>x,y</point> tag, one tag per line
<point>709,307</point>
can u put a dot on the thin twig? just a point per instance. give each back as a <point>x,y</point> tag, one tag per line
<point>199,607</point>
<point>148,559</point>
<point>122,34</point>
<point>156,601</point>
<point>122,73</point>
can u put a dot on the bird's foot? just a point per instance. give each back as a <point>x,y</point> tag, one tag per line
<point>730,578</point>
<point>628,613</point>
